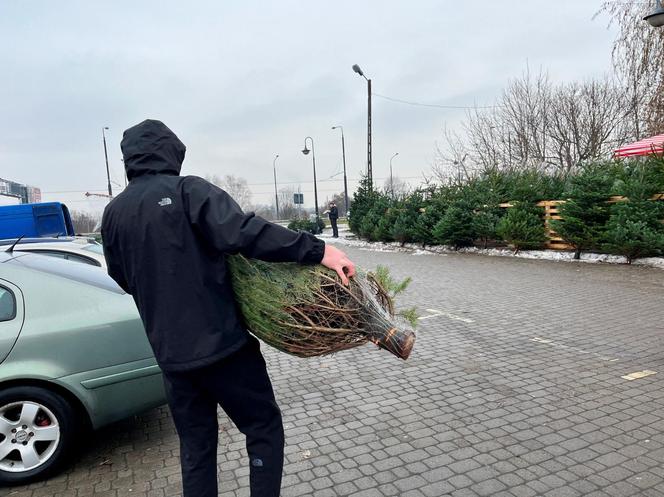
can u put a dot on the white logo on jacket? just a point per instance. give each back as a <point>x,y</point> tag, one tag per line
<point>165,201</point>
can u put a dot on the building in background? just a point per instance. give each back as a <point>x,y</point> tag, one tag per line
<point>17,193</point>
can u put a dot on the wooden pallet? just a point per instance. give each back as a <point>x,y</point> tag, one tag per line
<point>551,212</point>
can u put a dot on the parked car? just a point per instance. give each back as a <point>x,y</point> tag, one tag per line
<point>73,356</point>
<point>78,249</point>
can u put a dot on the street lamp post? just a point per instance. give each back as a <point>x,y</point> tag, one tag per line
<point>305,151</point>
<point>124,173</point>
<point>656,18</point>
<point>108,172</point>
<point>276,195</point>
<point>357,69</point>
<point>391,177</point>
<point>343,155</point>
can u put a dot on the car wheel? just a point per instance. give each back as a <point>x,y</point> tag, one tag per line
<point>37,433</point>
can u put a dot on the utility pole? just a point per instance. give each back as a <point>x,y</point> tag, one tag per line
<point>392,177</point>
<point>357,69</point>
<point>276,195</point>
<point>369,167</point>
<point>108,172</point>
<point>343,155</point>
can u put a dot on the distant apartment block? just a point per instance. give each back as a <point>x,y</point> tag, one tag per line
<point>17,193</point>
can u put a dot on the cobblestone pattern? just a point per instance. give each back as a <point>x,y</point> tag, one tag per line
<point>514,390</point>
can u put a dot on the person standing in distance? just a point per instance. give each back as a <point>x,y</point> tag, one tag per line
<point>165,239</point>
<point>333,215</point>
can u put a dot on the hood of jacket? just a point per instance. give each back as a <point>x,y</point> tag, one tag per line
<point>151,148</point>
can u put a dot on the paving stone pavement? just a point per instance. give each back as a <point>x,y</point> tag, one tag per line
<point>514,389</point>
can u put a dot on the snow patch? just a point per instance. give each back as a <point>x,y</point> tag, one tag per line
<point>548,255</point>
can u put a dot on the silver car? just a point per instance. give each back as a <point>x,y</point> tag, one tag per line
<point>73,356</point>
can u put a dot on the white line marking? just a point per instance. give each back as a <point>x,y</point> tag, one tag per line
<point>558,345</point>
<point>422,318</point>
<point>449,315</point>
<point>638,374</point>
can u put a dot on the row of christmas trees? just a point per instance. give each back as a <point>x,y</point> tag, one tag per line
<point>470,213</point>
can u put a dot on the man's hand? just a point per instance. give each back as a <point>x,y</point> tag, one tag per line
<point>336,260</point>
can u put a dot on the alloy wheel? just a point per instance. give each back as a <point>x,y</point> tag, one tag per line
<point>29,436</point>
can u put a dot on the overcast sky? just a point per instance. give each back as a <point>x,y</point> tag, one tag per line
<point>241,81</point>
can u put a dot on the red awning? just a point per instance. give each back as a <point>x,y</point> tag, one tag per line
<point>648,146</point>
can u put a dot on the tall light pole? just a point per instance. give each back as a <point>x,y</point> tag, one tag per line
<point>108,172</point>
<point>124,172</point>
<point>391,177</point>
<point>305,151</point>
<point>656,18</point>
<point>276,195</point>
<point>343,155</point>
<point>357,69</point>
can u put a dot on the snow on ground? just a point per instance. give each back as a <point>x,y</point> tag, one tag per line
<point>348,239</point>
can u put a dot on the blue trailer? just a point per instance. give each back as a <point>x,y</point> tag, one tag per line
<point>46,219</point>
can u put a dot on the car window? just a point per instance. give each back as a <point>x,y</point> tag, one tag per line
<point>82,273</point>
<point>96,248</point>
<point>7,305</point>
<point>51,253</point>
<point>68,255</point>
<point>83,259</point>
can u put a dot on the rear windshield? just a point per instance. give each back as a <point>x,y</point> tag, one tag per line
<point>82,273</point>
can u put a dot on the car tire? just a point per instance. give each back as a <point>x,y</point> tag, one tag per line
<point>37,434</point>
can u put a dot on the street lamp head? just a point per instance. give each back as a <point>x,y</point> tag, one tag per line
<point>656,18</point>
<point>105,127</point>
<point>305,151</point>
<point>357,69</point>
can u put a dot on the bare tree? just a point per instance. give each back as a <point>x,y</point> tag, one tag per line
<point>337,198</point>
<point>587,122</point>
<point>638,57</point>
<point>538,125</point>
<point>397,188</point>
<point>265,211</point>
<point>514,134</point>
<point>287,207</point>
<point>235,186</point>
<point>84,222</point>
<point>451,164</point>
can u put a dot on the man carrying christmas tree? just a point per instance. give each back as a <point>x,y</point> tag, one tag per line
<point>165,240</point>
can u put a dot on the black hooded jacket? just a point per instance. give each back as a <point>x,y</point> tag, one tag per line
<point>165,239</point>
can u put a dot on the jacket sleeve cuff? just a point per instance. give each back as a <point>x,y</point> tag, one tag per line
<point>315,254</point>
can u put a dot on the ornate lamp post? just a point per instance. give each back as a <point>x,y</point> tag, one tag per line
<point>343,155</point>
<point>305,151</point>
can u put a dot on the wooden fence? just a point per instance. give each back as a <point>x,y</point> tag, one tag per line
<point>551,212</point>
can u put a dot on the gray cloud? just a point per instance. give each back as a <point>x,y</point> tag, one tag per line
<point>242,81</point>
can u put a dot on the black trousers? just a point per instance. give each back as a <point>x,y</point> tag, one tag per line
<point>241,386</point>
<point>335,231</point>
